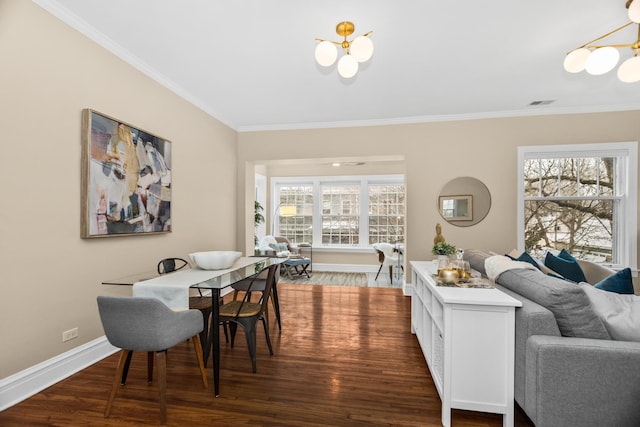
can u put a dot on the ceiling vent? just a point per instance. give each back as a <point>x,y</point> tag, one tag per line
<point>545,102</point>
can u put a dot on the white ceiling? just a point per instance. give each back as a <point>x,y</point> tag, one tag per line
<point>250,63</point>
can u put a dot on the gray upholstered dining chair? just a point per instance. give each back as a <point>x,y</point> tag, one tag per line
<point>146,324</point>
<point>246,314</point>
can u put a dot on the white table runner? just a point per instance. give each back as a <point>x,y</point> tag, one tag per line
<point>173,288</point>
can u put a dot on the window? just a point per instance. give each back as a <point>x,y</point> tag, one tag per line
<point>298,228</point>
<point>340,214</point>
<point>581,198</point>
<point>349,211</point>
<point>386,213</point>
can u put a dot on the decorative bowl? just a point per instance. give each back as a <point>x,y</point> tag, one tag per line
<point>214,260</point>
<point>448,275</point>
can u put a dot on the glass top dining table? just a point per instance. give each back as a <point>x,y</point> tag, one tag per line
<point>213,280</point>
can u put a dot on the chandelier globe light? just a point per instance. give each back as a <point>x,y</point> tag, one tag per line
<point>356,51</point>
<point>597,59</point>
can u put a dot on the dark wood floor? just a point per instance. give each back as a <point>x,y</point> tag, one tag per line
<point>345,357</point>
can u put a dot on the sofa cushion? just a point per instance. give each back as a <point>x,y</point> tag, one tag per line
<point>567,301</point>
<point>619,313</point>
<point>565,265</point>
<point>594,272</point>
<point>619,282</point>
<point>525,257</point>
<point>476,259</point>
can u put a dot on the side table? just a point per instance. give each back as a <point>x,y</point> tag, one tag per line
<point>310,247</point>
<point>294,263</point>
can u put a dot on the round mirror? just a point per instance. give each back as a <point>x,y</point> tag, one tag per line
<point>464,201</point>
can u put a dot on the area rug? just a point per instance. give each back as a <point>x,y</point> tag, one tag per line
<point>328,278</point>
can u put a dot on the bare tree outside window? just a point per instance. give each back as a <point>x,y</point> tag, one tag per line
<point>571,203</point>
<point>386,213</point>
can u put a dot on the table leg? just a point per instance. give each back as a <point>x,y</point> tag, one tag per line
<point>214,330</point>
<point>276,301</point>
<point>304,270</point>
<point>125,371</point>
<point>286,270</point>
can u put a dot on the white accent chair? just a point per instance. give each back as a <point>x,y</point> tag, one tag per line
<point>386,256</point>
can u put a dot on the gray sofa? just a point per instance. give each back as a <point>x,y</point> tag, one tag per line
<point>568,371</point>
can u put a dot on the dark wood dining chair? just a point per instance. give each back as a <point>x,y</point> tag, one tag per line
<point>258,284</point>
<point>201,302</point>
<point>247,314</point>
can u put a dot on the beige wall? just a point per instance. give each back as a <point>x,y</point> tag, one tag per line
<point>51,277</point>
<point>435,153</point>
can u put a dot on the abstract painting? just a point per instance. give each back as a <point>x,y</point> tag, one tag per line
<point>126,179</point>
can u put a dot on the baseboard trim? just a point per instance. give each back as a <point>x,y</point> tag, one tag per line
<point>24,384</point>
<point>408,289</point>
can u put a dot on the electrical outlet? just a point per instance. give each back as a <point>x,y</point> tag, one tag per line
<point>70,334</point>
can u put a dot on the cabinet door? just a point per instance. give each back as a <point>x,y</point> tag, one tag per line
<point>480,357</point>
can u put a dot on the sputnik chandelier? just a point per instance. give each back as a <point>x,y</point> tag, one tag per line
<point>599,59</point>
<point>358,50</point>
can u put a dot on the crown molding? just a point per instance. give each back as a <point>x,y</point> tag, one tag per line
<point>538,111</point>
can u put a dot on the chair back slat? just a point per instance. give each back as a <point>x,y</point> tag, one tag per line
<point>169,265</point>
<point>272,272</point>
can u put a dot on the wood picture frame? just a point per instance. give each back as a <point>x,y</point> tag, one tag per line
<point>126,179</point>
<point>456,208</point>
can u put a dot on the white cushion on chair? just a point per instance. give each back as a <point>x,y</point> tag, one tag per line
<point>265,243</point>
<point>390,256</point>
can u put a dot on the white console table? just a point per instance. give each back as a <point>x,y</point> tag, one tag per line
<point>467,338</point>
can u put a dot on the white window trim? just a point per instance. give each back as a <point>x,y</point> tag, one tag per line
<point>627,241</point>
<point>316,182</point>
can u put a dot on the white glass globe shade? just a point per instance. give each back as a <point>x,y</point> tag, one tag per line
<point>575,60</point>
<point>362,48</point>
<point>602,60</point>
<point>629,71</point>
<point>347,66</point>
<point>326,53</point>
<point>634,11</point>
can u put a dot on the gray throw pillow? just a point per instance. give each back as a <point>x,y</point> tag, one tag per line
<point>567,301</point>
<point>619,312</point>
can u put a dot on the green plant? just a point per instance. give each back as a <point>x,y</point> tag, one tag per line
<point>258,218</point>
<point>443,248</point>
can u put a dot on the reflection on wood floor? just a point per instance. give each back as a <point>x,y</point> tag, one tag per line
<point>345,357</point>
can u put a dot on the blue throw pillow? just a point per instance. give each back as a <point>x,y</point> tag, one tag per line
<point>566,256</point>
<point>567,268</point>
<point>525,257</point>
<point>620,282</point>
